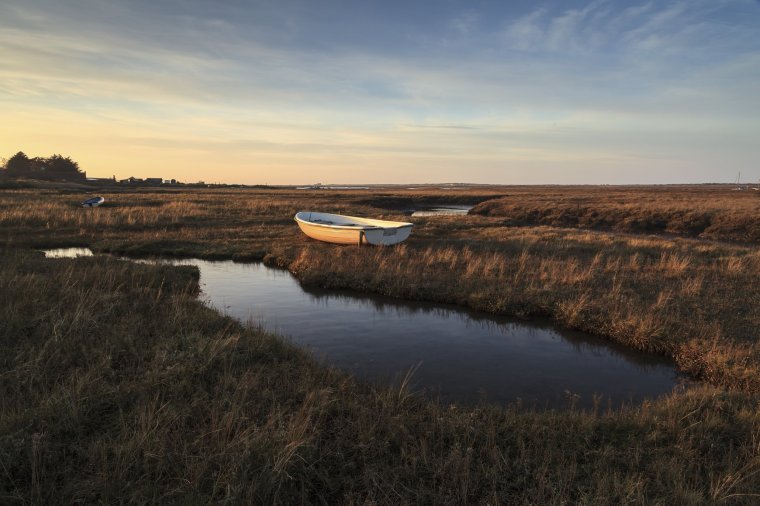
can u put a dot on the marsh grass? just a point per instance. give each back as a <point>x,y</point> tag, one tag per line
<point>706,211</point>
<point>118,385</point>
<point>691,300</point>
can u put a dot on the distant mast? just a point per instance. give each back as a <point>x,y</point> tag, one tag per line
<point>738,181</point>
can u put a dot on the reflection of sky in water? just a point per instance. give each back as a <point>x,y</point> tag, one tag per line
<point>463,355</point>
<point>447,210</point>
<point>68,253</point>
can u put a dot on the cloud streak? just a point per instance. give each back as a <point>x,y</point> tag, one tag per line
<point>484,90</point>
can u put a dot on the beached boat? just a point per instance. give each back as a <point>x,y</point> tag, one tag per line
<point>340,229</point>
<point>93,202</point>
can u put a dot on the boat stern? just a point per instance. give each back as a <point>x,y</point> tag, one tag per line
<point>388,236</point>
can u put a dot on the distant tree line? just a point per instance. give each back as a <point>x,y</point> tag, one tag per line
<point>54,168</point>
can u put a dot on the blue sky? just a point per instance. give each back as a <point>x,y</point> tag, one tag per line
<point>371,92</point>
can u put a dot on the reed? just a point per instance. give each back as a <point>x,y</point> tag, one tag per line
<point>691,300</point>
<point>705,211</point>
<point>117,384</point>
<point>117,371</point>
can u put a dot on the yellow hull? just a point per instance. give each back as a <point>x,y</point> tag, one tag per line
<point>331,235</point>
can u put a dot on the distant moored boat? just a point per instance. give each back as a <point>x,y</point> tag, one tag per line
<point>339,229</point>
<point>93,202</point>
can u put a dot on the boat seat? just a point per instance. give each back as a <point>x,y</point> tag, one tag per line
<point>327,222</point>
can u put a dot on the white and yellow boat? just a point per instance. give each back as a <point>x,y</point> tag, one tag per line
<point>340,229</point>
<point>93,202</point>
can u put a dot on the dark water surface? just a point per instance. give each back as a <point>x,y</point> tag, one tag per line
<point>459,355</point>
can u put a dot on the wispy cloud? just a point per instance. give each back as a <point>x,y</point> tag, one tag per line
<point>490,86</point>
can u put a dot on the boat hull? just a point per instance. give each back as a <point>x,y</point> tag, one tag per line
<point>93,202</point>
<point>330,235</point>
<point>339,229</point>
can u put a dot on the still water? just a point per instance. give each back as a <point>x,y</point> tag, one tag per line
<point>458,355</point>
<point>447,210</point>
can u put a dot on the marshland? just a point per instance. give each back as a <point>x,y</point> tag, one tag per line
<point>119,382</point>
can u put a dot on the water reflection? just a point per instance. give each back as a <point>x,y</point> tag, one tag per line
<point>448,210</point>
<point>463,355</point>
<point>471,319</point>
<point>68,253</point>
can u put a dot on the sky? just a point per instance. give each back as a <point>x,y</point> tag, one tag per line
<point>306,91</point>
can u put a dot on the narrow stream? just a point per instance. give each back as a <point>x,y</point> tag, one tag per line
<point>459,355</point>
<point>447,210</point>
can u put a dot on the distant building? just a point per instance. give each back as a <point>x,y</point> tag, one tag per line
<point>154,180</point>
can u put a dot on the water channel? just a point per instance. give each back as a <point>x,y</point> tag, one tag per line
<point>447,210</point>
<point>458,355</point>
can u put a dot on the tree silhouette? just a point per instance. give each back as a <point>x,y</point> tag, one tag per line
<point>62,165</point>
<point>56,167</point>
<point>19,164</point>
<point>37,165</point>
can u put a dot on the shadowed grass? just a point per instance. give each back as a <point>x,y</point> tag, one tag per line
<point>117,384</point>
<point>705,211</point>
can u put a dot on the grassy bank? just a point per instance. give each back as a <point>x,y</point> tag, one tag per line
<point>116,384</point>
<point>707,212</point>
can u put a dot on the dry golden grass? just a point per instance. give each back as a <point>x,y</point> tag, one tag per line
<point>709,212</point>
<point>118,385</point>
<point>692,300</point>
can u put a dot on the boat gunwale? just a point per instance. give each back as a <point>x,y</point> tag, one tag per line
<point>402,224</point>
